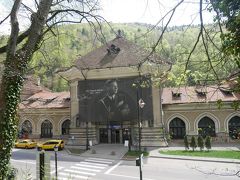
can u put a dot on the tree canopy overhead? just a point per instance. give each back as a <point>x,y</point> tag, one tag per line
<point>47,15</point>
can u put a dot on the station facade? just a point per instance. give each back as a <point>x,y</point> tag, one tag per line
<point>111,100</point>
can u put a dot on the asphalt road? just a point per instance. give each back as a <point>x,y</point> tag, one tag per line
<point>76,167</point>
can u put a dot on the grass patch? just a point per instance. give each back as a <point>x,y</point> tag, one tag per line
<point>76,151</point>
<point>211,153</point>
<point>136,153</point>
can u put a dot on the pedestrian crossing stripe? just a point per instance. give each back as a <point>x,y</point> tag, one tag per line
<point>79,172</point>
<point>94,164</point>
<point>70,176</point>
<point>100,162</point>
<point>100,159</point>
<point>83,168</point>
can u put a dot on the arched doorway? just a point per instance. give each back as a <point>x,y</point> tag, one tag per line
<point>66,127</point>
<point>26,129</point>
<point>206,127</point>
<point>46,129</point>
<point>177,128</point>
<point>234,127</point>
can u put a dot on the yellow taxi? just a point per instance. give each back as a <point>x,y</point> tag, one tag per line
<point>50,144</point>
<point>26,143</point>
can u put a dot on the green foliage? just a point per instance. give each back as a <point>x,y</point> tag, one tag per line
<point>193,143</point>
<point>75,41</point>
<point>229,154</point>
<point>186,143</point>
<point>219,103</point>
<point>235,105</point>
<point>208,143</point>
<point>200,142</point>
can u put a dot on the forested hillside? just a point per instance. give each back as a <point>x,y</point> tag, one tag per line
<point>74,41</point>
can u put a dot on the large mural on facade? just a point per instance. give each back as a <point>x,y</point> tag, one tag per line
<point>112,100</point>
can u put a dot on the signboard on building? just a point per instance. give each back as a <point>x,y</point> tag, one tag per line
<point>113,100</point>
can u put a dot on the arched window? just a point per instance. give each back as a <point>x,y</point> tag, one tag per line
<point>26,129</point>
<point>46,129</point>
<point>234,127</point>
<point>66,127</point>
<point>177,128</point>
<point>206,127</point>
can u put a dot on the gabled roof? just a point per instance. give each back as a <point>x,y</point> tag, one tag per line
<point>116,53</point>
<point>46,99</point>
<point>191,95</point>
<point>30,87</point>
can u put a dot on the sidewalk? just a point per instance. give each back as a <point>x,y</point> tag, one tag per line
<point>106,151</point>
<point>154,153</point>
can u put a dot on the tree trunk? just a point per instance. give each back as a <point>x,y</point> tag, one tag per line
<point>12,79</point>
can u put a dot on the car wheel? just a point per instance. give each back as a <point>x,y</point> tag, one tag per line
<point>26,147</point>
<point>39,148</point>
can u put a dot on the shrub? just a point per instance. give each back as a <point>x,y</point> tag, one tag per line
<point>186,143</point>
<point>193,143</point>
<point>200,142</point>
<point>11,173</point>
<point>208,143</point>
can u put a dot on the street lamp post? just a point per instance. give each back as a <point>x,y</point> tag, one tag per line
<point>141,104</point>
<point>56,150</point>
<point>87,139</point>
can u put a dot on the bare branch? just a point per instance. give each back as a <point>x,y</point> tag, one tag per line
<point>4,19</point>
<point>14,29</point>
<point>20,38</point>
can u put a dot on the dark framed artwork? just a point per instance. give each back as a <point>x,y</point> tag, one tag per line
<point>113,100</point>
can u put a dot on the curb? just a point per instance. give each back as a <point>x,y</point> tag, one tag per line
<point>196,159</point>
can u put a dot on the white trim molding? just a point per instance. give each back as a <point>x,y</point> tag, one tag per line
<point>180,116</point>
<point>41,119</point>
<point>61,122</point>
<point>228,118</point>
<point>30,120</point>
<point>209,115</point>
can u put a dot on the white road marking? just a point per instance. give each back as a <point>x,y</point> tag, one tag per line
<point>96,161</point>
<point>94,164</point>
<point>133,177</point>
<point>79,172</point>
<point>15,150</point>
<point>26,162</point>
<point>69,176</point>
<point>107,160</point>
<point>112,168</point>
<point>53,172</point>
<point>87,169</point>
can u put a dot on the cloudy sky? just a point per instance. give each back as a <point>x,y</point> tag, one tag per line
<point>151,11</point>
<point>126,11</point>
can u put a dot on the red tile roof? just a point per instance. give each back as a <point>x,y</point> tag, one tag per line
<point>30,87</point>
<point>192,94</point>
<point>46,99</point>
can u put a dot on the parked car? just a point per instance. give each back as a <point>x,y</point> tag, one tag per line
<point>50,144</point>
<point>26,143</point>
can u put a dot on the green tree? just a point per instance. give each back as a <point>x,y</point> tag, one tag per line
<point>208,143</point>
<point>19,51</point>
<point>200,142</point>
<point>186,143</point>
<point>193,143</point>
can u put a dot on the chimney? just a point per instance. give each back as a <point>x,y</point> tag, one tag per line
<point>38,81</point>
<point>119,34</point>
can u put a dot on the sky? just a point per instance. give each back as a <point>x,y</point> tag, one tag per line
<point>129,11</point>
<point>151,11</point>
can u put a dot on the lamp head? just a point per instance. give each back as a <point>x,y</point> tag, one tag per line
<point>141,103</point>
<point>55,148</point>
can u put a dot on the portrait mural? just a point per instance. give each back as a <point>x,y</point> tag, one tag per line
<point>112,100</point>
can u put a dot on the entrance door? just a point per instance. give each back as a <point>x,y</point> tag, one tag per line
<point>103,135</point>
<point>126,134</point>
<point>115,136</point>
